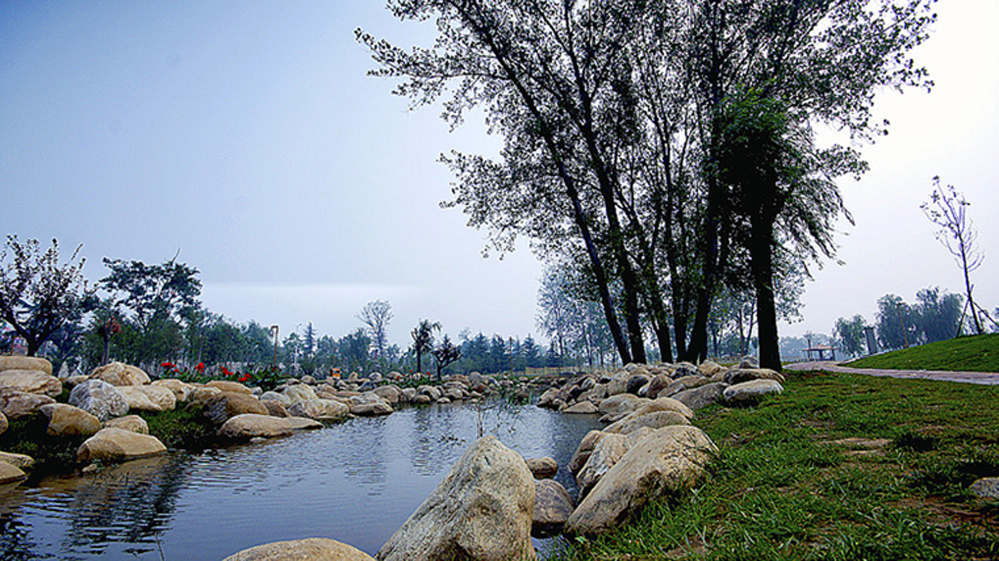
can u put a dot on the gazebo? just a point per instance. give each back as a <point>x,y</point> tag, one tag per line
<point>821,350</point>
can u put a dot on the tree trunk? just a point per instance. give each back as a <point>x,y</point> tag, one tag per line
<point>761,258</point>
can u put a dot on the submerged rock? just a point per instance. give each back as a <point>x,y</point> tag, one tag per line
<point>250,425</point>
<point>483,510</point>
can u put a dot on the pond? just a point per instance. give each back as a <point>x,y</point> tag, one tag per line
<point>355,482</point>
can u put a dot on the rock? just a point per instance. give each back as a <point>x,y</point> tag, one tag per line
<point>19,461</point>
<point>620,403</point>
<point>749,362</point>
<point>421,399</point>
<point>319,409</point>
<point>751,391</point>
<point>10,474</point>
<point>371,409</point>
<point>740,375</point>
<point>986,488</point>
<point>276,397</point>
<point>658,384</point>
<point>309,549</point>
<point>709,368</point>
<point>137,399</point>
<point>160,396</point>
<point>582,408</point>
<point>432,392</point>
<point>301,423</point>
<point>202,394</point>
<point>542,468</point>
<point>30,381</point>
<point>66,420</point>
<point>119,374</point>
<point>16,362</point>
<point>408,394</point>
<point>15,404</point>
<point>181,390</point>
<point>3,423</point>
<point>133,423</point>
<point>229,387</point>
<point>250,425</point>
<point>225,406</point>
<point>548,397</point>
<point>705,395</point>
<point>662,404</point>
<point>299,392</point>
<point>308,379</point>
<point>655,420</point>
<point>99,398</point>
<point>608,450</point>
<point>664,462</point>
<point>552,507</point>
<point>275,408</point>
<point>481,511</point>
<point>637,382</point>
<point>444,400</point>
<point>118,445</point>
<point>584,450</point>
<point>390,393</point>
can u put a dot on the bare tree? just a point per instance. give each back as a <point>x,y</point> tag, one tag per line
<point>376,317</point>
<point>946,209</point>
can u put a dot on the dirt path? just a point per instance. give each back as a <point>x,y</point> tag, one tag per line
<point>984,378</point>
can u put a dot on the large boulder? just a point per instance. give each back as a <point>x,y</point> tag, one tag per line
<point>181,390</point>
<point>10,474</point>
<point>609,449</point>
<point>369,404</point>
<point>138,400</point>
<point>654,420</point>
<point>20,461</point>
<point>702,396</point>
<point>319,409</point>
<point>66,420</point>
<point>709,368</point>
<point>275,408</point>
<point>30,381</point>
<point>118,445</point>
<point>15,362</point>
<point>309,549</point>
<point>119,374</point>
<point>225,406</point>
<point>582,408</point>
<point>249,425</point>
<point>276,397</point>
<point>299,392</point>
<point>133,423</point>
<point>15,404</point>
<point>481,511</point>
<point>161,396</point>
<point>390,393</point>
<point>202,394</point>
<point>552,507</point>
<point>663,463</point>
<point>751,391</point>
<point>229,387</point>
<point>740,375</point>
<point>583,451</point>
<point>620,403</point>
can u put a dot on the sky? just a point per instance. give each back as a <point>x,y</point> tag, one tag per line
<point>247,137</point>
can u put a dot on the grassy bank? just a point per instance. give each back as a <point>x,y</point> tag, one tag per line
<point>978,353</point>
<point>789,485</point>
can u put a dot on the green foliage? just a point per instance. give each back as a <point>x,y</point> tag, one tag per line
<point>38,295</point>
<point>185,427</point>
<point>850,333</point>
<point>977,353</point>
<point>781,488</point>
<point>28,435</point>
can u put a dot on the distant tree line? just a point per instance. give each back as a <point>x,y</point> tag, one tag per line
<point>148,315</point>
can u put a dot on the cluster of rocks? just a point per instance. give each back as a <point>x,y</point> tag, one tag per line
<point>99,406</point>
<point>694,386</point>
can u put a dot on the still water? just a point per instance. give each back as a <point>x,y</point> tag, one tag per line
<point>356,482</point>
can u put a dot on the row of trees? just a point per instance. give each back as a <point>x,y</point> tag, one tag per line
<point>662,152</point>
<point>148,314</point>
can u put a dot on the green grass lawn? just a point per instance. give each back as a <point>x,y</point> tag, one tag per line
<point>782,487</point>
<point>978,353</point>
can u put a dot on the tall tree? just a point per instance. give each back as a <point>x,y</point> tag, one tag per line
<point>445,353</point>
<point>423,340</point>
<point>38,295</point>
<point>850,333</point>
<point>946,208</point>
<point>376,317</point>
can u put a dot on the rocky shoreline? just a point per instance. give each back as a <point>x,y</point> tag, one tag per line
<point>491,502</point>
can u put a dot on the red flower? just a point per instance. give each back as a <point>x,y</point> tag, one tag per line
<point>175,369</point>
<point>167,365</point>
<point>244,378</point>
<point>200,367</point>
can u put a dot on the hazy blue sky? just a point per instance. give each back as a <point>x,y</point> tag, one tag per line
<point>247,136</point>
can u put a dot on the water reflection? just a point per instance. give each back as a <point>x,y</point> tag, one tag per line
<point>356,482</point>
